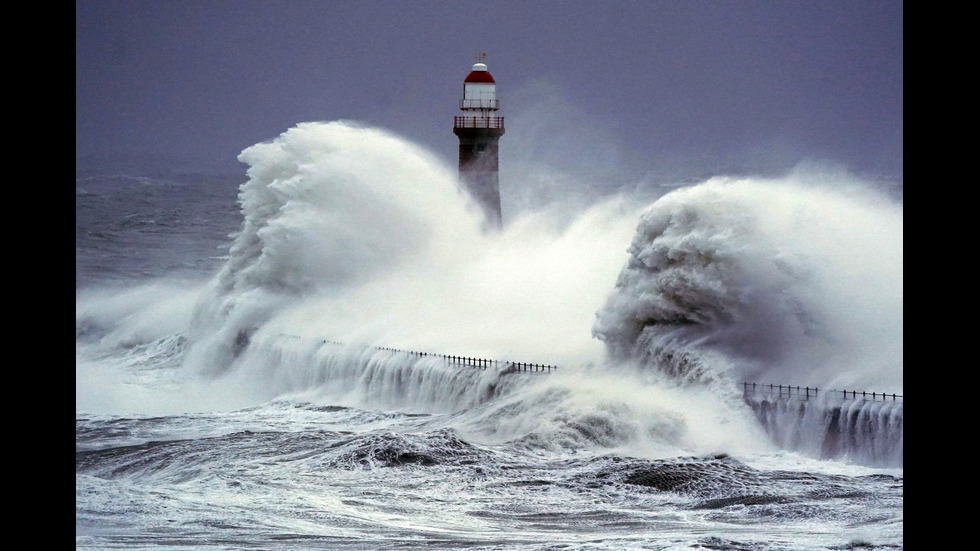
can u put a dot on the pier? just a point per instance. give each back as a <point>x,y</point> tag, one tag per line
<point>751,392</point>
<point>831,423</point>
<point>462,361</point>
<point>820,422</point>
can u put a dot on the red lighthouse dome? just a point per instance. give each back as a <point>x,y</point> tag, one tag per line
<point>479,73</point>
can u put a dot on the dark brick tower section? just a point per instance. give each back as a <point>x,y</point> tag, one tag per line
<point>478,169</point>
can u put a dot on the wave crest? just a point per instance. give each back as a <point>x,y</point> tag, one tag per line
<point>780,279</point>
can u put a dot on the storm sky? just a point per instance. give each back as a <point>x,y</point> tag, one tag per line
<point>657,88</point>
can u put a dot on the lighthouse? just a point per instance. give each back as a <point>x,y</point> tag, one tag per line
<point>479,130</point>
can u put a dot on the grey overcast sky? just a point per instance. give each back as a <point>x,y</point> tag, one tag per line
<point>668,87</point>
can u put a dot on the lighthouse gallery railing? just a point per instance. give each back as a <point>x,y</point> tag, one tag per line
<point>478,122</point>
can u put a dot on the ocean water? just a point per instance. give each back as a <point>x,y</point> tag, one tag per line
<point>273,361</point>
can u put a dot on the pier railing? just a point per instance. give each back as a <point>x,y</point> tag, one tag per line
<point>805,393</point>
<point>466,361</point>
<point>481,363</point>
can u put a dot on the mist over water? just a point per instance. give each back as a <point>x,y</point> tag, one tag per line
<point>353,235</point>
<point>299,394</point>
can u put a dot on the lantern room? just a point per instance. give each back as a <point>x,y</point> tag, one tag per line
<point>479,90</point>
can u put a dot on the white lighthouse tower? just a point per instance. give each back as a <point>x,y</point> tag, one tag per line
<point>479,128</point>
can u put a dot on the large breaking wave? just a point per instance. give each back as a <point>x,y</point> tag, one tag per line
<point>358,236</point>
<point>353,235</point>
<point>789,281</point>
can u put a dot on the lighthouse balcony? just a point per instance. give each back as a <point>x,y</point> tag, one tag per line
<point>482,103</point>
<point>478,122</point>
